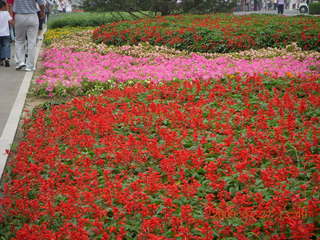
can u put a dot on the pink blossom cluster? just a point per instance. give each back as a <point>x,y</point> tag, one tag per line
<point>70,68</point>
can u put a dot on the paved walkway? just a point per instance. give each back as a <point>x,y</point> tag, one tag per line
<point>10,82</point>
<point>287,12</point>
<point>14,86</point>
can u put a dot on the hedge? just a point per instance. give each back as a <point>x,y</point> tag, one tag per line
<point>215,33</point>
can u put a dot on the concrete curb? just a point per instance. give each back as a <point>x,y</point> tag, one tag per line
<point>12,123</point>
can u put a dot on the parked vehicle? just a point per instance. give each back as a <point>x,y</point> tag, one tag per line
<point>304,6</point>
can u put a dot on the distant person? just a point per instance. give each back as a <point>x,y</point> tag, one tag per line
<point>68,4</point>
<point>41,22</point>
<point>5,19</point>
<point>286,4</point>
<point>280,6</point>
<point>26,26</point>
<point>10,6</point>
<point>61,6</point>
<point>11,26</point>
<point>48,9</point>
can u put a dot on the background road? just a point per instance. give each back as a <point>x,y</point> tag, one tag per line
<point>287,12</point>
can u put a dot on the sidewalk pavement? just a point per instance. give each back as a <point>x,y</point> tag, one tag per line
<point>287,12</point>
<point>14,86</point>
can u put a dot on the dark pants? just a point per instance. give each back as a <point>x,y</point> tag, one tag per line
<point>5,49</point>
<point>12,32</point>
<point>280,8</point>
<point>41,21</point>
<point>46,19</point>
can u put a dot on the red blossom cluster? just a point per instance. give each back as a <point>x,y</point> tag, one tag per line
<point>214,33</point>
<point>236,157</point>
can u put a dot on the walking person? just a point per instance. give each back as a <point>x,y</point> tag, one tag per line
<point>280,5</point>
<point>275,7</point>
<point>11,26</point>
<point>41,22</point>
<point>48,9</point>
<point>61,6</point>
<point>5,19</point>
<point>26,26</point>
<point>68,5</point>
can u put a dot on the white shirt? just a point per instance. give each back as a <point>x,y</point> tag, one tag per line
<point>61,5</point>
<point>4,25</point>
<point>68,7</point>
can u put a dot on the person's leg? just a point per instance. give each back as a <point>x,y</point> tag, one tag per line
<point>12,38</point>
<point>1,52</point>
<point>41,22</point>
<point>20,27</point>
<point>47,17</point>
<point>32,32</point>
<point>6,50</point>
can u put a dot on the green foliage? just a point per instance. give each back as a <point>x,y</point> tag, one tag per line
<point>165,7</point>
<point>207,6</point>
<point>314,8</point>
<point>87,19</point>
<point>86,88</point>
<point>111,5</point>
<point>215,32</point>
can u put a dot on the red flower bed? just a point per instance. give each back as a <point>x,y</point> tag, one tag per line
<point>215,33</point>
<point>183,160</point>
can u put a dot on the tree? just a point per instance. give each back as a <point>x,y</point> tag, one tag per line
<point>162,6</point>
<point>207,6</point>
<point>165,7</point>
